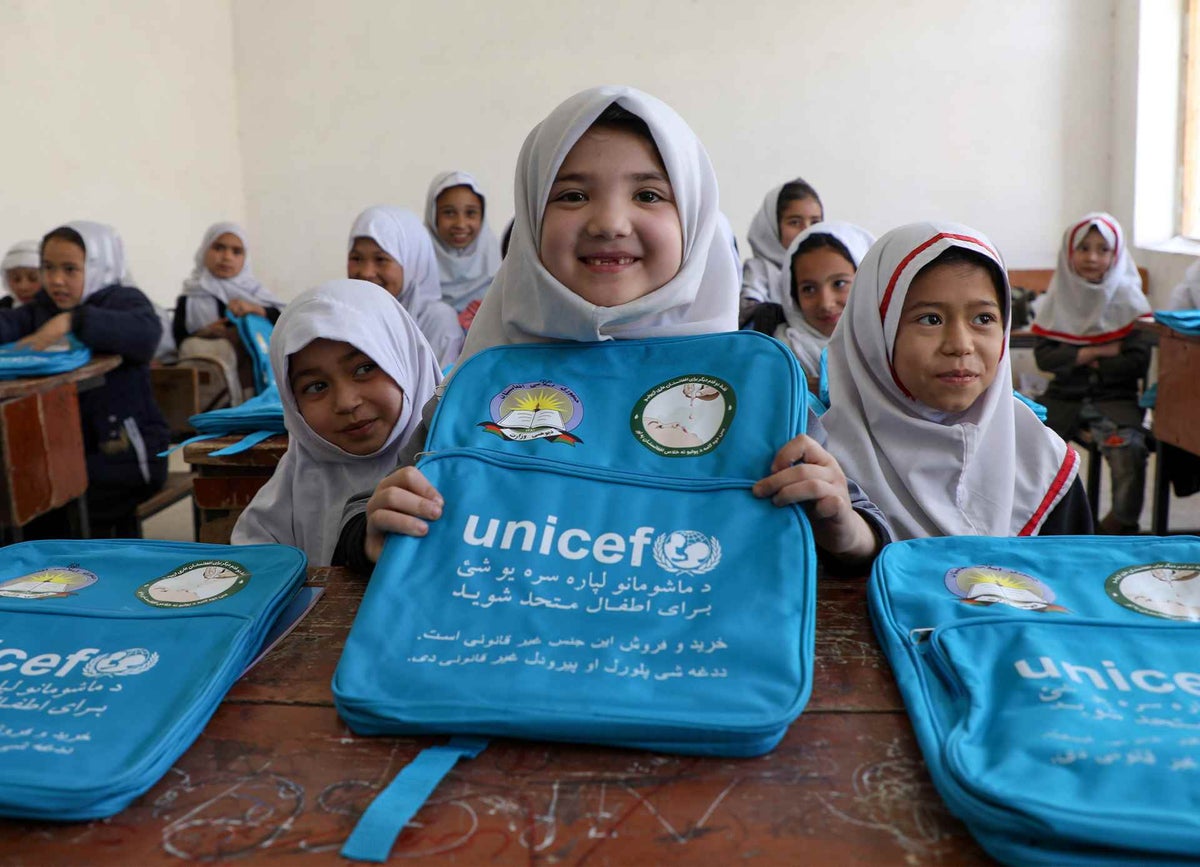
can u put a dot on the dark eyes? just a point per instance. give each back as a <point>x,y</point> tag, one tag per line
<point>314,387</point>
<point>648,197</point>
<point>367,367</point>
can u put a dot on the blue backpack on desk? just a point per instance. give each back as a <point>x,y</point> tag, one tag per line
<point>113,656</point>
<point>18,361</point>
<point>1054,685</point>
<point>601,572</point>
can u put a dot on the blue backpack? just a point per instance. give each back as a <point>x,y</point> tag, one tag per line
<point>1054,686</point>
<point>1183,321</point>
<point>601,572</point>
<point>255,332</point>
<point>17,361</point>
<point>113,656</point>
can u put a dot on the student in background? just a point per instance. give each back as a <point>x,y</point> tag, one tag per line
<point>353,371</point>
<point>1087,340</point>
<point>617,236</point>
<point>390,248</point>
<point>22,278</point>
<point>787,211</point>
<point>922,410</point>
<point>84,275</point>
<point>1186,296</point>
<point>468,254</point>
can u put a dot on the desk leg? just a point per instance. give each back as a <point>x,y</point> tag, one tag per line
<point>77,515</point>
<point>1159,519</point>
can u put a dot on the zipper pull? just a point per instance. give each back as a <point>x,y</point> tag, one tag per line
<point>921,635</point>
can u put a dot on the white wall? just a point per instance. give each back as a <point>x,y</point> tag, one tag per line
<point>122,112</point>
<point>996,114</point>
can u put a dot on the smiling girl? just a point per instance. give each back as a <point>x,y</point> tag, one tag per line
<point>786,211</point>
<point>468,254</point>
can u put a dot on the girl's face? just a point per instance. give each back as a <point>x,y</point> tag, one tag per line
<point>24,283</point>
<point>950,338</point>
<point>797,216</point>
<point>821,281</point>
<point>369,262</point>
<point>611,231</point>
<point>62,272</point>
<point>459,216</point>
<point>225,256</point>
<point>344,396</point>
<point>1092,257</point>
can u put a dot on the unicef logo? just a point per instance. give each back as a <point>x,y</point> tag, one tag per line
<point>120,663</point>
<point>687,551</point>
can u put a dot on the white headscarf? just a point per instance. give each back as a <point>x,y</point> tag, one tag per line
<point>991,470</point>
<point>797,332</point>
<point>23,254</point>
<point>302,503</point>
<point>761,271</point>
<point>104,256</point>
<point>1186,296</point>
<point>400,234</point>
<point>204,284</point>
<point>1079,312</point>
<point>465,274</point>
<point>526,304</point>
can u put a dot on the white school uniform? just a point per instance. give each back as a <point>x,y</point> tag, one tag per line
<point>992,470</point>
<point>1186,296</point>
<point>400,234</point>
<point>1079,312</point>
<point>808,342</point>
<point>23,254</point>
<point>465,274</point>
<point>527,304</point>
<point>302,503</point>
<point>204,290</point>
<point>760,274</point>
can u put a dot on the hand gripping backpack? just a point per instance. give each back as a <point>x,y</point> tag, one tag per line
<point>601,572</point>
<point>1054,686</point>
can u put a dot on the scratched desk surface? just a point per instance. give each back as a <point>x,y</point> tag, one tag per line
<point>277,778</point>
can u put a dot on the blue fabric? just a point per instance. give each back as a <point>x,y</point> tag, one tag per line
<point>823,378</point>
<point>1054,686</point>
<point>17,361</point>
<point>258,418</point>
<point>1183,321</point>
<point>255,332</point>
<point>113,656</point>
<point>1038,409</point>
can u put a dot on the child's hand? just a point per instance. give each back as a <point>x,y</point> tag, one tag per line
<point>240,307</point>
<point>54,330</point>
<point>805,473</point>
<point>398,505</point>
<point>216,328</point>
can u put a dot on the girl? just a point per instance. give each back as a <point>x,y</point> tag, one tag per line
<point>922,410</point>
<point>786,212</point>
<point>468,254</point>
<point>815,287</point>
<point>617,237</point>
<point>353,372</point>
<point>1186,296</point>
<point>21,277</point>
<point>1087,340</point>
<point>83,271</point>
<point>390,248</point>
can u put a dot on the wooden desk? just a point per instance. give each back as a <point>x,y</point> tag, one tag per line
<point>224,486</point>
<point>42,463</point>
<point>277,778</point>
<point>1176,408</point>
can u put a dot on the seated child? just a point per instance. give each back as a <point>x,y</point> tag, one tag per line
<point>468,254</point>
<point>1086,339</point>
<point>22,278</point>
<point>353,371</point>
<point>84,274</point>
<point>1186,296</point>
<point>922,408</point>
<point>814,289</point>
<point>390,248</point>
<point>787,211</point>
<point>617,237</point>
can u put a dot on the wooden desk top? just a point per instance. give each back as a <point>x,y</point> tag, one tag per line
<point>97,367</point>
<point>277,778</point>
<point>267,453</point>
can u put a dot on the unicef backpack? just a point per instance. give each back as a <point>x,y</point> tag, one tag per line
<point>113,656</point>
<point>17,360</point>
<point>1054,686</point>
<point>601,572</point>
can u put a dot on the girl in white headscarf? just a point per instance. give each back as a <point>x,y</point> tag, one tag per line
<point>1186,296</point>
<point>390,248</point>
<point>353,371</point>
<point>922,410</point>
<point>468,254</point>
<point>786,211</point>
<point>617,235</point>
<point>20,273</point>
<point>1087,340</point>
<point>88,296</point>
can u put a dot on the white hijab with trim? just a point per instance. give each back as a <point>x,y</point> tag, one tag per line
<point>1186,296</point>
<point>1079,312</point>
<point>204,284</point>
<point>465,274</point>
<point>302,503</point>
<point>992,470</point>
<point>23,254</point>
<point>526,304</point>
<point>806,341</point>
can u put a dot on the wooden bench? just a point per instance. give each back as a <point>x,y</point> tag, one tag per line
<point>177,487</point>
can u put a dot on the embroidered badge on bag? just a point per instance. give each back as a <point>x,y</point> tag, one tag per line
<point>197,583</point>
<point>1167,590</point>
<point>996,585</point>
<point>684,417</point>
<point>539,410</point>
<point>54,582</point>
